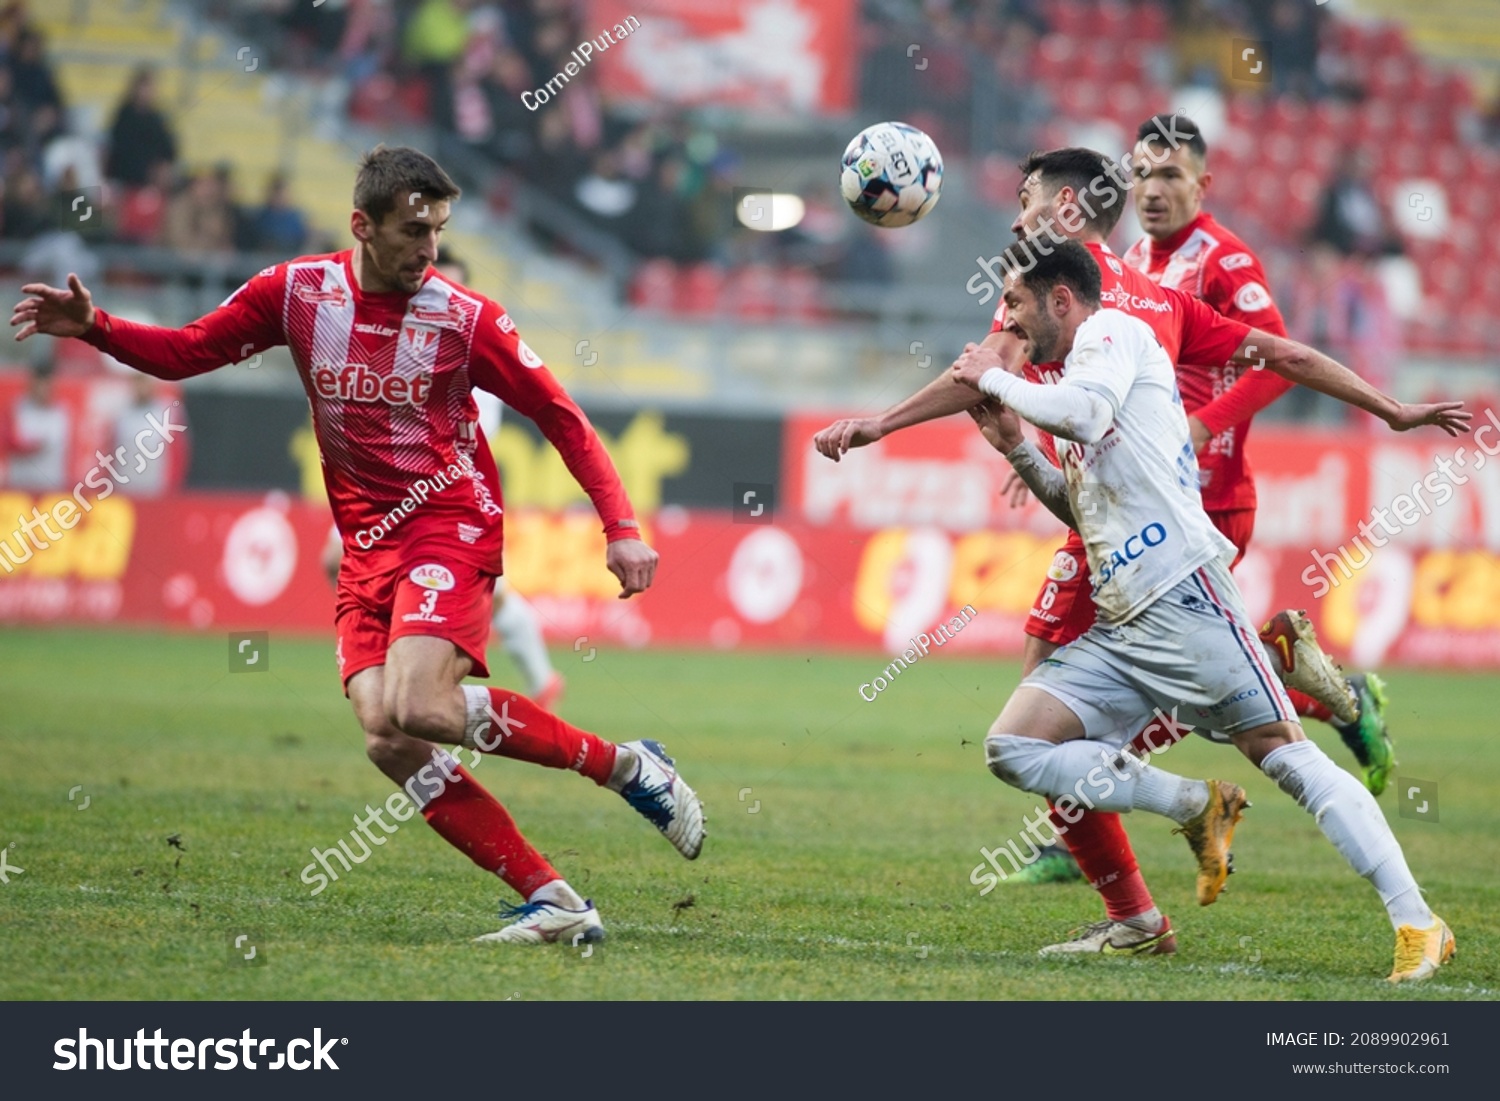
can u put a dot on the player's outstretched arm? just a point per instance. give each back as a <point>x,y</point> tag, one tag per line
<point>249,321</point>
<point>1068,411</point>
<point>941,397</point>
<point>1311,368</point>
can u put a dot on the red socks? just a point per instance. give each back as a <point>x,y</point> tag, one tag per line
<point>1308,707</point>
<point>473,822</point>
<point>1099,844</point>
<point>508,724</point>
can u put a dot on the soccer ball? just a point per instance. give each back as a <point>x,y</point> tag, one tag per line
<point>892,174</point>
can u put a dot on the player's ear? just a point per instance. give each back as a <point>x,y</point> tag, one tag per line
<point>1205,178</point>
<point>361,226</point>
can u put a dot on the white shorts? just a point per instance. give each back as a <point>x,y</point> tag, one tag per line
<point>1192,657</point>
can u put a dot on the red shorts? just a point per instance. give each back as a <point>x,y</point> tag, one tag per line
<point>1064,609</point>
<point>449,601</point>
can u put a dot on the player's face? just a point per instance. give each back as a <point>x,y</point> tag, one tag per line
<point>403,245</point>
<point>1029,319</point>
<point>1036,208</point>
<point>1168,189</point>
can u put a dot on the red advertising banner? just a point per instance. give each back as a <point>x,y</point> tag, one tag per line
<point>1392,542</point>
<point>762,55</point>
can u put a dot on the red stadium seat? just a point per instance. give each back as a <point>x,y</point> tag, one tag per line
<point>141,215</point>
<point>655,285</point>
<point>752,292</point>
<point>1054,59</point>
<point>1069,17</point>
<point>801,294</point>
<point>701,290</point>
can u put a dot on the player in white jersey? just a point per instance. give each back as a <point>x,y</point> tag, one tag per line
<point>1172,632</point>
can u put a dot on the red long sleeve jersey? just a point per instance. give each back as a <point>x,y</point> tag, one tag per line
<point>1205,260</point>
<point>388,377</point>
<point>1184,326</point>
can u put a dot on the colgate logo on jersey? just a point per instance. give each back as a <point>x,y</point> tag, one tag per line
<point>334,295</point>
<point>356,382</point>
<point>1122,299</point>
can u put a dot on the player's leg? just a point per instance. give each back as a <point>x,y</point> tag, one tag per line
<point>1262,726</point>
<point>1094,846</point>
<point>515,621</point>
<point>1101,692</point>
<point>470,819</point>
<point>424,698</point>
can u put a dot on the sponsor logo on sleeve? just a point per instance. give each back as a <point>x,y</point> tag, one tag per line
<point>433,576</point>
<point>1252,297</point>
<point>528,357</point>
<point>1114,265</point>
<point>1064,567</point>
<point>1237,260</point>
<point>505,323</point>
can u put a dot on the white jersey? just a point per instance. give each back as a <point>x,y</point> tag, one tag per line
<point>1135,492</point>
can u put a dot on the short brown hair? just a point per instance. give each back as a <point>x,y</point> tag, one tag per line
<point>1085,171</point>
<point>389,173</point>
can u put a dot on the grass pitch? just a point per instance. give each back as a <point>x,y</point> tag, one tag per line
<point>162,808</point>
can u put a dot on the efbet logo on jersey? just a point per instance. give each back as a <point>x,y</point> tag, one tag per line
<point>433,576</point>
<point>357,382</point>
<point>1152,535</point>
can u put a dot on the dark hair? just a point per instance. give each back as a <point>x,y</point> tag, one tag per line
<point>1041,268</point>
<point>446,258</point>
<point>1175,130</point>
<point>1081,169</point>
<point>388,175</point>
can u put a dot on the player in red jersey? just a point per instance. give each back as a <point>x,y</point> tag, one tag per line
<point>1187,248</point>
<point>1079,194</point>
<point>388,351</point>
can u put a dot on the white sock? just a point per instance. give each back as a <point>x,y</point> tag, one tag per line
<point>559,893</point>
<point>625,768</point>
<point>521,637</point>
<point>1094,776</point>
<point>1349,817</point>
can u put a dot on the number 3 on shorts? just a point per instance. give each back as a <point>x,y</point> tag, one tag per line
<point>429,602</point>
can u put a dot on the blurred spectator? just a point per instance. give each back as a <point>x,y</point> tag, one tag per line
<point>199,218</point>
<point>1199,34</point>
<point>25,211</point>
<point>279,225</point>
<point>141,217</point>
<point>1290,29</point>
<point>605,192</point>
<point>41,428</point>
<point>147,465</point>
<point>31,77</point>
<point>1351,217</point>
<point>139,138</point>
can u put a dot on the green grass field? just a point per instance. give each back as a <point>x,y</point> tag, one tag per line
<point>841,837</point>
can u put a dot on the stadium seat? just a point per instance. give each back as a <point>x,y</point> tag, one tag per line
<point>701,290</point>
<point>655,285</point>
<point>753,292</point>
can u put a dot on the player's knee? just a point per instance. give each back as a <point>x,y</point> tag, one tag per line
<point>420,714</point>
<point>1016,760</point>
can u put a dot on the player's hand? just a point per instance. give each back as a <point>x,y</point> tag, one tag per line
<point>971,366</point>
<point>840,436</point>
<point>54,312</point>
<point>1199,432</point>
<point>1015,490</point>
<point>1450,416</point>
<point>998,425</point>
<point>634,563</point>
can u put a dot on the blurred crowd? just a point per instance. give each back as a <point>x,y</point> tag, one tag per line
<point>129,183</point>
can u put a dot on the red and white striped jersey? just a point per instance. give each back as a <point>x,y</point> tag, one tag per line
<point>388,377</point>
<point>1205,260</point>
